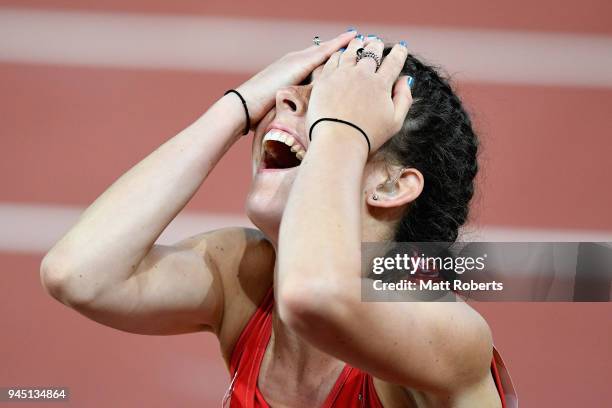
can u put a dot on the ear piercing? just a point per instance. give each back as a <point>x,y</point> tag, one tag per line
<point>388,187</point>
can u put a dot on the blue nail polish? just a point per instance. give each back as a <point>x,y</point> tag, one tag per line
<point>372,36</point>
<point>403,43</point>
<point>351,29</point>
<point>359,37</point>
<point>342,49</point>
<point>410,81</point>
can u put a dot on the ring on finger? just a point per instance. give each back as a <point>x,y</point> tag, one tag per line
<point>368,54</point>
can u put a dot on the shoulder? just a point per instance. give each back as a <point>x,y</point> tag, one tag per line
<point>237,254</point>
<point>219,243</point>
<point>466,378</point>
<point>469,348</point>
<point>243,259</point>
<point>458,356</point>
<point>467,351</point>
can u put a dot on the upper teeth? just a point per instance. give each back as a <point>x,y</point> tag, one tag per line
<point>287,139</point>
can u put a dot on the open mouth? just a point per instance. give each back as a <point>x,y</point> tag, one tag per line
<point>281,150</point>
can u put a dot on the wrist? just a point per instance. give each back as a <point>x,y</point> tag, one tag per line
<point>231,108</point>
<point>255,105</point>
<point>223,120</point>
<point>343,138</point>
<point>343,134</point>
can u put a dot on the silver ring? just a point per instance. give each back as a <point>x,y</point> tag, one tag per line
<point>316,40</point>
<point>370,54</point>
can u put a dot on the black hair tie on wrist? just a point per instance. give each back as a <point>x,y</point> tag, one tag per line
<point>246,110</point>
<point>340,121</point>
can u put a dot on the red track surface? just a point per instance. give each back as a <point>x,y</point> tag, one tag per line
<point>66,133</point>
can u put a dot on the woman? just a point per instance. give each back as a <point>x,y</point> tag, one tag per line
<point>284,300</point>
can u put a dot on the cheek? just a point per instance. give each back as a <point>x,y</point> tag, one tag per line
<point>276,183</point>
<point>258,137</point>
<point>371,178</point>
<point>269,192</point>
<point>255,154</point>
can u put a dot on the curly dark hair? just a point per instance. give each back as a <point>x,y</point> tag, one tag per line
<point>437,139</point>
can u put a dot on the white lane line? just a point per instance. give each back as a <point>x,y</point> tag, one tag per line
<point>34,228</point>
<point>514,234</point>
<point>244,45</point>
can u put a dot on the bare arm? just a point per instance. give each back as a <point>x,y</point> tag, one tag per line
<point>441,347</point>
<point>181,288</point>
<point>111,248</point>
<point>425,345</point>
<point>107,266</point>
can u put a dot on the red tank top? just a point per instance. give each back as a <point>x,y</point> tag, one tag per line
<point>354,388</point>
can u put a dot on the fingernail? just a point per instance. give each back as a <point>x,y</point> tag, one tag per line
<point>360,37</point>
<point>342,49</point>
<point>351,29</point>
<point>372,36</point>
<point>410,81</point>
<point>403,43</point>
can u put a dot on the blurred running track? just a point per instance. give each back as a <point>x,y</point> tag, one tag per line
<point>88,90</point>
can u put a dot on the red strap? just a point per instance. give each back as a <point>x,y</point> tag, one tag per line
<point>263,338</point>
<point>500,390</point>
<point>259,313</point>
<point>335,391</point>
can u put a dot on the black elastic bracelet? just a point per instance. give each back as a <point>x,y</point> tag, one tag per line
<point>340,121</point>
<point>246,110</point>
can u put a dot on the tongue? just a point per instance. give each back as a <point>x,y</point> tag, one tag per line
<point>279,156</point>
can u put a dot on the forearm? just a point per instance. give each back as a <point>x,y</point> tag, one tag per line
<point>321,227</point>
<point>117,230</point>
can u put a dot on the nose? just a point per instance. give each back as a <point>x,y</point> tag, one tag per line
<point>291,100</point>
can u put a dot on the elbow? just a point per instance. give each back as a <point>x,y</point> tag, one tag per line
<point>294,308</point>
<point>316,297</point>
<point>52,275</point>
<point>308,308</point>
<point>63,281</point>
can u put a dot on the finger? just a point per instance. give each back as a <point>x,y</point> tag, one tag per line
<point>393,63</point>
<point>402,98</point>
<point>369,39</point>
<point>332,62</point>
<point>316,55</point>
<point>327,48</point>
<point>369,64</point>
<point>350,55</point>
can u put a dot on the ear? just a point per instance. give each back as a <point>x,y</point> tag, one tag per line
<point>399,190</point>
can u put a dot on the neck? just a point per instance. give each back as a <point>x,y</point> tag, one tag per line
<point>295,359</point>
<point>295,355</point>
<point>292,352</point>
<point>294,372</point>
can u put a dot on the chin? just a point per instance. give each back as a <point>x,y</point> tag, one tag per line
<point>265,205</point>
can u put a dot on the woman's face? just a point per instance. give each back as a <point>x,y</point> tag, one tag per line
<point>279,144</point>
<point>280,141</point>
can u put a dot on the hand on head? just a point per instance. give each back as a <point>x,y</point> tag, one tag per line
<point>259,91</point>
<point>356,87</point>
